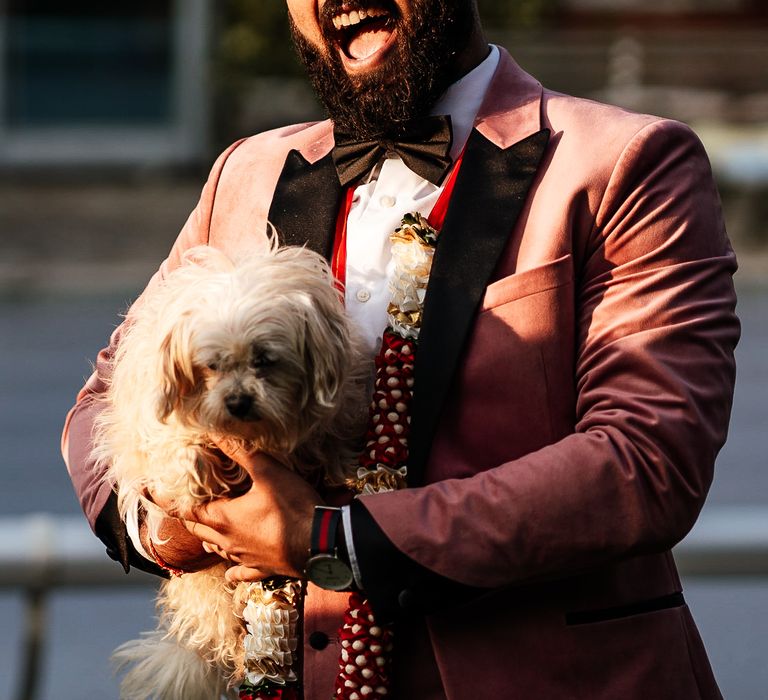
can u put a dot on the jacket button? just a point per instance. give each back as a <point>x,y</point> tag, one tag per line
<point>318,640</point>
<point>407,599</point>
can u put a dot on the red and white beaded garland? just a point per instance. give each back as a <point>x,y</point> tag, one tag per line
<point>366,650</point>
<point>366,647</point>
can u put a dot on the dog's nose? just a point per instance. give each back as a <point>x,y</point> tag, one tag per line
<point>239,405</point>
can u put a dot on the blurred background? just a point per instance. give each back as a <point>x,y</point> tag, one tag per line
<point>111,114</point>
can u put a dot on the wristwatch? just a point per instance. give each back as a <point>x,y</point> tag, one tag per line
<point>324,567</point>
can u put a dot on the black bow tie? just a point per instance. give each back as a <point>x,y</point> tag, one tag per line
<point>424,148</point>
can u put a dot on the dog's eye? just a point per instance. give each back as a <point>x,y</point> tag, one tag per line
<point>261,360</point>
<point>213,366</point>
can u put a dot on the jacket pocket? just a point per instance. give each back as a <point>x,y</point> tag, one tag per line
<point>522,284</point>
<point>586,617</point>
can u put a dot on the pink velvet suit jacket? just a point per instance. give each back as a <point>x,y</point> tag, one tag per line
<point>571,443</point>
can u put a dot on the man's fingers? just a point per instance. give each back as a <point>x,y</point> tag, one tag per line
<point>205,533</point>
<point>255,463</point>
<point>211,513</point>
<point>224,554</point>
<point>237,574</point>
<point>231,448</point>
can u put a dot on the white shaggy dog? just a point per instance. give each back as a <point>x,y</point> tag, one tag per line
<point>260,352</point>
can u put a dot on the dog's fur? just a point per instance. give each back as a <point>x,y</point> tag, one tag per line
<point>260,352</point>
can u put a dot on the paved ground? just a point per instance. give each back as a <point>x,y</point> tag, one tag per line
<point>55,316</point>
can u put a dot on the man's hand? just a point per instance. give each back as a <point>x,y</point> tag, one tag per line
<point>267,530</point>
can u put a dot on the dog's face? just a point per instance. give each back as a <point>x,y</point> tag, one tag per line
<point>257,352</point>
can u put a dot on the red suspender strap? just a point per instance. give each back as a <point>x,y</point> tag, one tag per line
<point>339,259</point>
<point>437,215</point>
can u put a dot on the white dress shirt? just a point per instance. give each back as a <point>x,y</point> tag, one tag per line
<point>378,205</point>
<point>387,194</point>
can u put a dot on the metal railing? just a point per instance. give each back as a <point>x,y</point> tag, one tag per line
<point>40,553</point>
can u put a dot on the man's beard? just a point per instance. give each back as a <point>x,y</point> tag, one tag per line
<point>419,69</point>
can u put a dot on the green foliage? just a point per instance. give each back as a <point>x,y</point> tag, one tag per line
<point>253,39</point>
<point>515,14</point>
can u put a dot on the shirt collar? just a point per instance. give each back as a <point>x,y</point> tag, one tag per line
<point>462,100</point>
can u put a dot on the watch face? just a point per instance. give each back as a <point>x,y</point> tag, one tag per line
<point>328,572</point>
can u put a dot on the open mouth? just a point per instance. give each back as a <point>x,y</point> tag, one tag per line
<point>362,34</point>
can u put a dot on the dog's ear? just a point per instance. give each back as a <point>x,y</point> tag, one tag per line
<point>177,373</point>
<point>327,348</point>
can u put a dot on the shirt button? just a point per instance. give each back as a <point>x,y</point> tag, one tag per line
<point>318,640</point>
<point>387,201</point>
<point>363,295</point>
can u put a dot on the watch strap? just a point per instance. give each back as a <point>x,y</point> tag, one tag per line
<point>325,527</point>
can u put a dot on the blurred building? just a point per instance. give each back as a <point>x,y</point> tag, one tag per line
<point>695,60</point>
<point>704,62</point>
<point>87,82</point>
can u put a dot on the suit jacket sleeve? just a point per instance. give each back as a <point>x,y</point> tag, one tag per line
<point>94,493</point>
<point>654,379</point>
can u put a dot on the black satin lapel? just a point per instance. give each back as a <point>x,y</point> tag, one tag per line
<point>489,194</point>
<point>306,203</point>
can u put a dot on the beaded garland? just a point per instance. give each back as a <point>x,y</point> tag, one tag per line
<point>366,647</point>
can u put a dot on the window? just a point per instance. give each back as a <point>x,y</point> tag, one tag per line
<point>93,81</point>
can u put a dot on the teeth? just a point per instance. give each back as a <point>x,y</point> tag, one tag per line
<point>355,17</point>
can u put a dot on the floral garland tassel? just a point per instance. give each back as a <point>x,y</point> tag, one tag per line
<point>271,615</point>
